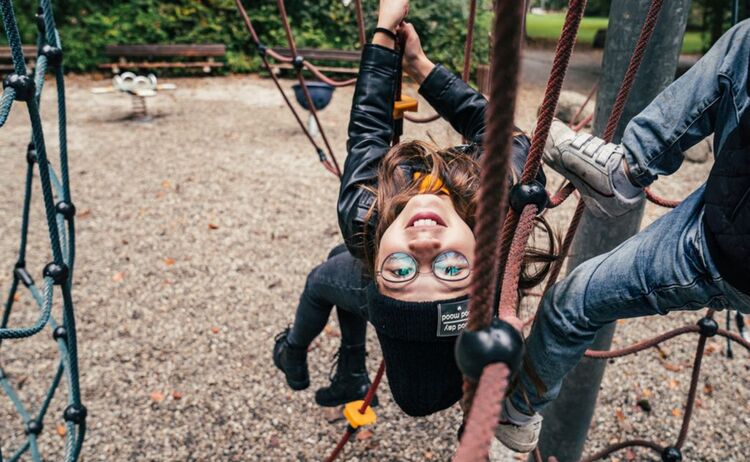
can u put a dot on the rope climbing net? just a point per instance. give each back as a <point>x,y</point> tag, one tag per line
<point>20,86</point>
<point>505,258</point>
<point>494,289</point>
<point>327,157</point>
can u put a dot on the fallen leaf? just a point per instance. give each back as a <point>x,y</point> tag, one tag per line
<point>169,261</point>
<point>673,384</point>
<point>85,213</point>
<point>17,297</point>
<point>176,395</point>
<point>629,454</point>
<point>619,414</point>
<point>364,434</point>
<point>61,430</point>
<point>333,414</point>
<point>213,226</point>
<point>118,276</point>
<point>331,332</point>
<point>428,455</point>
<point>166,184</point>
<point>647,393</point>
<point>215,330</point>
<point>274,442</point>
<point>156,396</point>
<point>671,366</point>
<point>677,412</point>
<point>274,284</point>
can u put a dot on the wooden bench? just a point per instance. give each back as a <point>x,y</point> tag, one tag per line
<point>314,55</point>
<point>6,57</point>
<point>163,56</point>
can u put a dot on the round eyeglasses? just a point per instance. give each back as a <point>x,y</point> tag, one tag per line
<point>448,266</point>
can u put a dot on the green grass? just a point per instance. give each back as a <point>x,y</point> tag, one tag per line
<point>548,27</point>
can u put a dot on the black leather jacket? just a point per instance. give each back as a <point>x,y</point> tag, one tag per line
<point>371,131</point>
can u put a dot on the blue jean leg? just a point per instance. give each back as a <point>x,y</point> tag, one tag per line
<point>664,268</point>
<point>711,97</point>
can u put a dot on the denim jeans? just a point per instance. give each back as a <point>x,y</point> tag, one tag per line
<point>667,266</point>
<point>340,281</point>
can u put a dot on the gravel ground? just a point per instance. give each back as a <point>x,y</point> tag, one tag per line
<point>196,232</point>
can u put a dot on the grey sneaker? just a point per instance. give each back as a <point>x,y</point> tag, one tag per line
<point>520,438</point>
<point>588,162</point>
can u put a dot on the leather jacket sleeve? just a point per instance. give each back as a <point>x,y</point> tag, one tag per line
<point>464,108</point>
<point>370,133</point>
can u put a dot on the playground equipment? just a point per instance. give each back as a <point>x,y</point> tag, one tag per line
<point>60,220</point>
<point>320,95</point>
<point>488,366</point>
<point>139,87</point>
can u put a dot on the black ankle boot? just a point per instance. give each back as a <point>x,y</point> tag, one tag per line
<point>350,382</point>
<point>292,361</point>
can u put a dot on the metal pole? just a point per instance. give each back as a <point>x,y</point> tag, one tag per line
<point>567,420</point>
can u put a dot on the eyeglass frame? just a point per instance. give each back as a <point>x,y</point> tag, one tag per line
<point>432,266</point>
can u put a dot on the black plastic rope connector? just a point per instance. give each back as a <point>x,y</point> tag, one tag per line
<point>262,49</point>
<point>54,55</point>
<point>58,272</point>
<point>22,275</point>
<point>671,454</point>
<point>75,413</point>
<point>31,153</point>
<point>23,84</point>
<point>34,427</point>
<point>500,342</point>
<point>321,155</point>
<point>60,332</point>
<point>708,327</point>
<point>66,209</point>
<point>523,194</point>
<point>299,62</point>
<point>40,26</point>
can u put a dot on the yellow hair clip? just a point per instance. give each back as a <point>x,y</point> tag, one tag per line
<point>430,185</point>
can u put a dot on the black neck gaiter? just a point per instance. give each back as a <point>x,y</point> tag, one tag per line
<point>417,340</point>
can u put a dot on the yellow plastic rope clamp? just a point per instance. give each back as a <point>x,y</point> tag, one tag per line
<point>357,419</point>
<point>405,104</point>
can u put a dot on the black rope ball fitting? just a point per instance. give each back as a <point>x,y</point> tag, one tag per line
<point>299,62</point>
<point>708,326</point>
<point>54,55</point>
<point>22,275</point>
<point>22,84</point>
<point>58,272</point>
<point>500,342</point>
<point>33,427</point>
<point>671,454</point>
<point>66,209</point>
<point>262,49</point>
<point>75,413</point>
<point>60,333</point>
<point>31,153</point>
<point>523,194</point>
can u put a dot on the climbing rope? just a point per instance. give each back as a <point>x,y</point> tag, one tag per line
<point>21,87</point>
<point>517,227</point>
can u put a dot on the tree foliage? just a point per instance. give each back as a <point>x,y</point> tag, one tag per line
<point>87,26</point>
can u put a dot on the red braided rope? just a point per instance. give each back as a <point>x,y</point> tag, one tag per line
<point>484,416</point>
<point>365,403</point>
<point>565,46</point>
<point>512,274</point>
<point>668,203</point>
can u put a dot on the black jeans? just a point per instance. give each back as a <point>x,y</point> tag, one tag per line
<point>341,281</point>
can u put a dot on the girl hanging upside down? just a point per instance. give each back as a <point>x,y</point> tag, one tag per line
<point>694,256</point>
<point>406,214</point>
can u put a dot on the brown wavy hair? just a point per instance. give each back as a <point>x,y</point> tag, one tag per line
<point>460,175</point>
